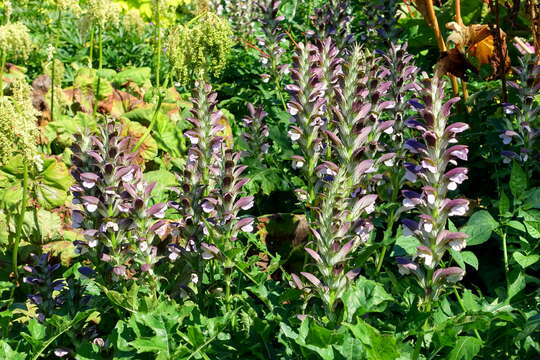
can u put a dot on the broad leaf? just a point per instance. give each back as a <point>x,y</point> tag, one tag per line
<point>466,348</point>
<point>518,181</point>
<point>479,227</point>
<point>365,296</point>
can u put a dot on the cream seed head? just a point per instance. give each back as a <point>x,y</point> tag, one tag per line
<point>103,12</point>
<point>200,48</point>
<point>15,41</point>
<point>18,123</point>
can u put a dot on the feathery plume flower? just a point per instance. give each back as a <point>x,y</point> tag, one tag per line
<point>200,48</point>
<point>69,5</point>
<point>15,41</point>
<point>103,12</point>
<point>18,123</point>
<point>133,20</point>
<point>435,152</point>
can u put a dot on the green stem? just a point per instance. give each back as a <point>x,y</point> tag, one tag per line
<point>228,289</point>
<point>505,257</point>
<point>52,89</point>
<point>91,56</point>
<point>20,221</point>
<point>158,42</point>
<point>152,122</point>
<point>463,309</point>
<point>100,67</point>
<point>387,233</point>
<point>38,238</point>
<point>418,346</point>
<point>2,66</point>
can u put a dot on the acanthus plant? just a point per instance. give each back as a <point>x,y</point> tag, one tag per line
<point>333,120</point>
<point>256,133</point>
<point>209,195</point>
<point>522,117</point>
<point>47,286</point>
<point>121,227</point>
<point>437,154</point>
<point>333,20</point>
<point>273,44</point>
<point>398,65</point>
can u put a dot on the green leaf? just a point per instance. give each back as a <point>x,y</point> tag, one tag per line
<point>470,301</point>
<point>458,258</point>
<point>517,283</point>
<point>532,199</point>
<point>470,259</point>
<point>514,224</point>
<point>525,260</point>
<point>137,75</point>
<point>466,348</point>
<point>518,181</point>
<point>7,353</point>
<point>163,179</point>
<point>405,245</point>
<point>533,229</point>
<point>479,227</point>
<point>53,183</point>
<point>504,203</point>
<point>377,346</point>
<point>365,296</point>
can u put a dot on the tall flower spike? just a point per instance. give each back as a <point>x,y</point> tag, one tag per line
<point>112,205</point>
<point>202,168</point>
<point>225,202</point>
<point>379,21</point>
<point>522,117</point>
<point>46,285</point>
<point>435,154</point>
<point>340,220</point>
<point>242,15</point>
<point>273,43</point>
<point>315,73</point>
<point>257,132</point>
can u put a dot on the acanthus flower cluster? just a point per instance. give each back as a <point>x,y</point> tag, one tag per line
<point>273,43</point>
<point>315,73</point>
<point>522,118</point>
<point>257,132</point>
<point>209,195</point>
<point>47,287</point>
<point>436,170</point>
<point>113,207</point>
<point>401,73</point>
<point>333,142</point>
